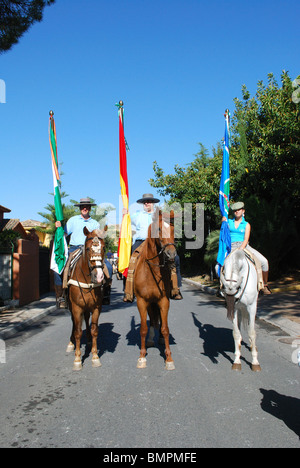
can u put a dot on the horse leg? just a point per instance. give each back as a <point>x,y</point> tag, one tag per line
<point>150,341</point>
<point>77,335</point>
<point>164,309</point>
<point>237,343</point>
<point>252,337</point>
<point>94,332</point>
<point>71,346</point>
<point>142,361</point>
<point>88,328</point>
<point>153,312</point>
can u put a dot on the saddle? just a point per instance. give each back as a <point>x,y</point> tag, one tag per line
<point>129,286</point>
<point>257,264</point>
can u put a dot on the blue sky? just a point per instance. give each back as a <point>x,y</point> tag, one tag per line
<point>176,64</point>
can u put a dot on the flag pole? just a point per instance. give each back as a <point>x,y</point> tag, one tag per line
<point>124,248</point>
<point>60,249</point>
<point>224,240</point>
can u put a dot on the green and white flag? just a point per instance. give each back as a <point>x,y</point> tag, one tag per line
<point>60,249</point>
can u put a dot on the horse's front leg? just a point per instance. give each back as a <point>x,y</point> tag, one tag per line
<point>164,310</point>
<point>71,346</point>
<point>77,318</point>
<point>142,361</point>
<point>252,338</point>
<point>94,332</point>
<point>237,343</point>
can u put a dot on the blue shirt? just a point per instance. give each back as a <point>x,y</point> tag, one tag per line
<point>75,226</point>
<point>237,235</point>
<point>141,220</point>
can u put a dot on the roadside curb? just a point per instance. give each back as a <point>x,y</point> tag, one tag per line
<point>286,325</point>
<point>27,316</point>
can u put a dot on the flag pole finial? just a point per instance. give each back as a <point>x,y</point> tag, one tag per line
<point>121,103</point>
<point>51,113</point>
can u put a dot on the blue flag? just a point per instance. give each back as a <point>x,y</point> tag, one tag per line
<point>225,240</point>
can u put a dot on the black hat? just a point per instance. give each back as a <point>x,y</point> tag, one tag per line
<point>148,197</point>
<point>85,201</point>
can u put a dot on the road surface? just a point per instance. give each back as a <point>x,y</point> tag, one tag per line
<point>201,404</point>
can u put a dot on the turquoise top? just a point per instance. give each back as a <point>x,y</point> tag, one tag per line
<point>75,227</point>
<point>237,235</point>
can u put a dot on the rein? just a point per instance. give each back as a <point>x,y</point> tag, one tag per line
<point>248,273</point>
<point>148,260</point>
<point>79,284</point>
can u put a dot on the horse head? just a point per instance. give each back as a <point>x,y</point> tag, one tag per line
<point>162,231</point>
<point>231,273</point>
<point>94,250</point>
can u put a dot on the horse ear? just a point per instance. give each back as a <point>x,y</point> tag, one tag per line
<point>86,231</point>
<point>102,232</point>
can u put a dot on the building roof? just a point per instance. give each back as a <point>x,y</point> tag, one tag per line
<point>31,223</point>
<point>14,225</point>
<point>4,210</point>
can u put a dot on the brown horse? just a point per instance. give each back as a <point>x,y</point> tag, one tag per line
<point>86,294</point>
<point>152,284</point>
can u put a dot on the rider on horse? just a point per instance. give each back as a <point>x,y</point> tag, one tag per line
<point>240,233</point>
<point>74,227</point>
<point>142,220</point>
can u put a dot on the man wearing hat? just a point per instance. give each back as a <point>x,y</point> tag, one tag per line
<point>240,234</point>
<point>74,228</point>
<point>142,220</point>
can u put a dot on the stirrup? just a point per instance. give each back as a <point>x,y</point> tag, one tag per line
<point>128,298</point>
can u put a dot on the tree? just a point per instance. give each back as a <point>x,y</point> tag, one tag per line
<point>17,16</point>
<point>264,166</point>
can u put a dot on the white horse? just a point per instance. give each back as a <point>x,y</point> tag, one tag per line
<point>239,279</point>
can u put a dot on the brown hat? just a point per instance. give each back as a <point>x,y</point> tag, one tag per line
<point>85,201</point>
<point>148,197</point>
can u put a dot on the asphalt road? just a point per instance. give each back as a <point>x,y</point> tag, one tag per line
<point>201,404</point>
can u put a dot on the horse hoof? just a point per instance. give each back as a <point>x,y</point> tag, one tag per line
<point>256,368</point>
<point>70,347</point>
<point>96,362</point>
<point>170,365</point>
<point>236,367</point>
<point>142,363</point>
<point>77,366</point>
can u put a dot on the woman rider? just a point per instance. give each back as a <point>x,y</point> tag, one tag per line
<point>240,233</point>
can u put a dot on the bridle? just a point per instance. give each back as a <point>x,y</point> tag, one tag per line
<point>238,299</point>
<point>88,286</point>
<point>162,251</point>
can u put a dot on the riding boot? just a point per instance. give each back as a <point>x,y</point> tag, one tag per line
<point>175,291</point>
<point>60,299</point>
<point>266,289</point>
<point>106,295</point>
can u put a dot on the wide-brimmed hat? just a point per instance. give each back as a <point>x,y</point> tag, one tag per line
<point>237,206</point>
<point>148,197</point>
<point>85,201</point>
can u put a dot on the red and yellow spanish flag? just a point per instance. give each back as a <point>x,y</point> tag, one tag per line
<point>124,250</point>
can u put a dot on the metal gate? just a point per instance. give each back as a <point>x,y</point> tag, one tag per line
<point>5,276</point>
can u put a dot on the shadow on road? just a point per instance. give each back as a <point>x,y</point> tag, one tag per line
<point>282,407</point>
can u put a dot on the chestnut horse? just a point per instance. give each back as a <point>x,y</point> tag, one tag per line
<point>86,294</point>
<point>152,284</point>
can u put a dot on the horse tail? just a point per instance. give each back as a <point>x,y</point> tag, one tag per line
<point>230,302</point>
